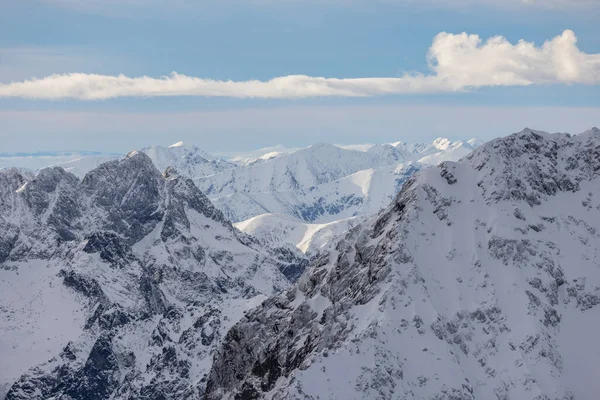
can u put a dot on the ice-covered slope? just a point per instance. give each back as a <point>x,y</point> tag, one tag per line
<point>279,230</point>
<point>257,156</point>
<point>437,151</point>
<point>120,285</point>
<point>480,281</point>
<point>315,165</point>
<point>324,183</point>
<point>188,160</point>
<point>362,193</point>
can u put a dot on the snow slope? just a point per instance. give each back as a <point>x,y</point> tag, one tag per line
<point>361,193</point>
<point>317,164</point>
<point>480,281</point>
<point>444,150</point>
<point>324,183</point>
<point>188,160</point>
<point>279,230</point>
<point>259,155</point>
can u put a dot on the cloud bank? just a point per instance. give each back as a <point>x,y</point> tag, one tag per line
<point>457,62</point>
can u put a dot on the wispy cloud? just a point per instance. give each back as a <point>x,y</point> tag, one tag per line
<point>458,62</point>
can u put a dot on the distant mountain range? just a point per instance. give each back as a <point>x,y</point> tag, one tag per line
<point>317,185</point>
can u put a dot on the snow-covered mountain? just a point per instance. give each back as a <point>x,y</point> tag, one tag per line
<point>480,281</point>
<point>442,150</point>
<point>188,160</point>
<point>315,165</point>
<point>361,193</point>
<point>403,151</point>
<point>257,156</point>
<point>314,187</point>
<point>121,285</point>
<point>324,183</point>
<point>323,163</point>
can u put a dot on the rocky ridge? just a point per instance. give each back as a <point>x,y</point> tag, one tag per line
<point>120,285</point>
<point>481,280</point>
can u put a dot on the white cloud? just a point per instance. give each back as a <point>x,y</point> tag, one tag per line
<point>457,62</point>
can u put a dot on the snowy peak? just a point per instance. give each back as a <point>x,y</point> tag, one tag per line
<point>441,143</point>
<point>474,142</point>
<point>128,279</point>
<point>305,168</point>
<point>500,309</point>
<point>187,159</point>
<point>594,130</point>
<point>388,153</point>
<point>531,165</point>
<point>436,151</point>
<point>314,184</point>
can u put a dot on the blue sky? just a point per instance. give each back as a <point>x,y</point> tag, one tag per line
<point>264,39</point>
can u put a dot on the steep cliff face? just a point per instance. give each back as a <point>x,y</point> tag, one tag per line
<point>121,285</point>
<point>480,281</point>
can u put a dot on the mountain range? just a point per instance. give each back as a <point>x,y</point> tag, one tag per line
<point>309,187</point>
<point>121,282</point>
<point>480,278</point>
<point>479,281</point>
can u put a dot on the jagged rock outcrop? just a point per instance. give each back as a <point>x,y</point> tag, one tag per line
<point>122,284</point>
<point>480,281</point>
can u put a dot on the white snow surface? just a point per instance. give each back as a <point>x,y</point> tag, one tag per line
<point>361,193</point>
<point>324,183</point>
<point>39,316</point>
<point>279,229</point>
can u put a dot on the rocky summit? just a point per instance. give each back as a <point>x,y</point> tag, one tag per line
<point>121,285</point>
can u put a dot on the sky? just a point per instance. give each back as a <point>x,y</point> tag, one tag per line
<point>235,75</point>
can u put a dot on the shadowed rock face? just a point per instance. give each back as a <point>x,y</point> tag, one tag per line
<point>154,268</point>
<point>459,290</point>
<point>130,192</point>
<point>99,376</point>
<point>279,337</point>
